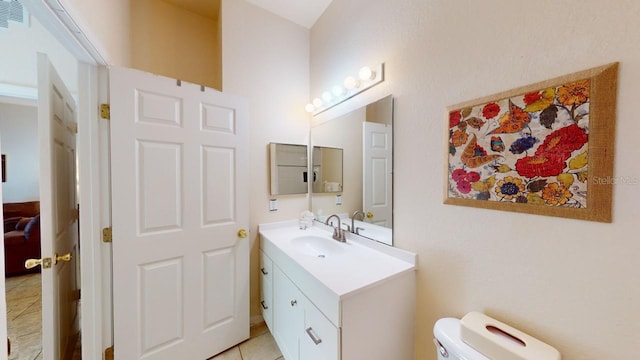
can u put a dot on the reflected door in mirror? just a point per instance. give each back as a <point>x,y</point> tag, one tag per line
<point>377,174</point>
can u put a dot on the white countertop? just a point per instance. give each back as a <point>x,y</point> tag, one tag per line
<point>360,263</point>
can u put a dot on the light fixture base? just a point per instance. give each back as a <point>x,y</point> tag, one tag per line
<point>377,76</point>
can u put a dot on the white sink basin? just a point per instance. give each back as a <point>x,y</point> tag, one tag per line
<point>316,246</point>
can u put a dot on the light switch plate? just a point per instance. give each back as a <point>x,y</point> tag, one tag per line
<point>273,205</point>
<point>338,199</point>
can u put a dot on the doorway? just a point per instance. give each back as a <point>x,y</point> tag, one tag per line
<point>23,291</point>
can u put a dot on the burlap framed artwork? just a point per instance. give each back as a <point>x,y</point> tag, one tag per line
<point>545,148</point>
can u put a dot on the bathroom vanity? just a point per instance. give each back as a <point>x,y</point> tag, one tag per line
<point>323,299</point>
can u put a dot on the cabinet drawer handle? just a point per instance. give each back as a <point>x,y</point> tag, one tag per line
<point>294,302</point>
<point>313,336</point>
<point>264,272</point>
<point>263,305</point>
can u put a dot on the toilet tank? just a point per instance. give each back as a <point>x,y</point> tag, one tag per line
<point>480,337</point>
<point>449,344</point>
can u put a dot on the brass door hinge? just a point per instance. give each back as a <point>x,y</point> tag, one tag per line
<point>74,128</point>
<point>105,111</point>
<point>108,353</point>
<point>106,235</point>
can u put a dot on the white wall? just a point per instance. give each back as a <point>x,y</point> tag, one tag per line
<point>18,63</point>
<point>19,139</point>
<point>573,284</point>
<point>266,60</point>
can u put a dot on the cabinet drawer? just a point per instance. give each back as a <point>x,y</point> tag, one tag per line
<point>320,339</point>
<point>266,267</point>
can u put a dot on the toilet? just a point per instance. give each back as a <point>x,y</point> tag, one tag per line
<point>479,337</point>
<point>449,344</point>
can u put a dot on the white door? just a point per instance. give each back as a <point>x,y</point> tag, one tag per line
<point>58,217</point>
<point>3,299</point>
<point>377,172</point>
<point>179,160</point>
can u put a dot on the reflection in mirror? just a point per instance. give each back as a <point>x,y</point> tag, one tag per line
<point>366,137</point>
<point>288,169</point>
<point>327,170</point>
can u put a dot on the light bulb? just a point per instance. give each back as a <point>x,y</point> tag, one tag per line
<point>309,108</point>
<point>338,90</point>
<point>317,102</point>
<point>351,83</point>
<point>366,74</point>
<point>327,97</point>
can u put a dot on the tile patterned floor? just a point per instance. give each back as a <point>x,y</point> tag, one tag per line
<point>260,346</point>
<point>24,312</point>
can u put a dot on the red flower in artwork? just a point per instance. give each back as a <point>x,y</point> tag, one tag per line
<point>563,141</point>
<point>490,110</point>
<point>550,157</point>
<point>472,177</point>
<point>532,166</point>
<point>530,98</point>
<point>464,187</point>
<point>454,118</point>
<point>458,174</point>
<point>464,179</point>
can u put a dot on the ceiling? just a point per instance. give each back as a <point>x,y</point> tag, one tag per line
<point>206,8</point>
<point>301,12</point>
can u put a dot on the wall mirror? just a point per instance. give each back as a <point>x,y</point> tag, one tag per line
<point>365,136</point>
<point>288,169</point>
<point>327,170</point>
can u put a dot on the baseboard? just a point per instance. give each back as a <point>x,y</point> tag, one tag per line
<point>256,320</point>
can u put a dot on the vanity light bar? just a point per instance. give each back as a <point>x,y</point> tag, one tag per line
<point>352,86</point>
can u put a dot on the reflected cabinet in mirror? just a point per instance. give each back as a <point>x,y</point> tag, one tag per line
<point>365,137</point>
<point>288,169</point>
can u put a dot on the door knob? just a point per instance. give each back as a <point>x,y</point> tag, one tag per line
<point>44,262</point>
<point>369,214</point>
<point>242,233</point>
<point>58,258</point>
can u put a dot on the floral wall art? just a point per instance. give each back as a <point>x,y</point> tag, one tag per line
<point>546,148</point>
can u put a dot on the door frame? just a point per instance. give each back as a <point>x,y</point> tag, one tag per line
<point>59,18</point>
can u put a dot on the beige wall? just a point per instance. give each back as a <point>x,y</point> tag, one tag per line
<point>266,60</point>
<point>174,42</point>
<point>106,24</point>
<point>573,284</point>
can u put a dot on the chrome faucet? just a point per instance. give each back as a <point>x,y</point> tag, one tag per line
<point>338,232</point>
<point>354,229</point>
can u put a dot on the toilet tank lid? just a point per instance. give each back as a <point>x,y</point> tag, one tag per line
<point>447,331</point>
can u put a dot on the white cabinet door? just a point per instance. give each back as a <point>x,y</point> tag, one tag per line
<point>321,339</point>
<point>179,156</point>
<point>288,315</point>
